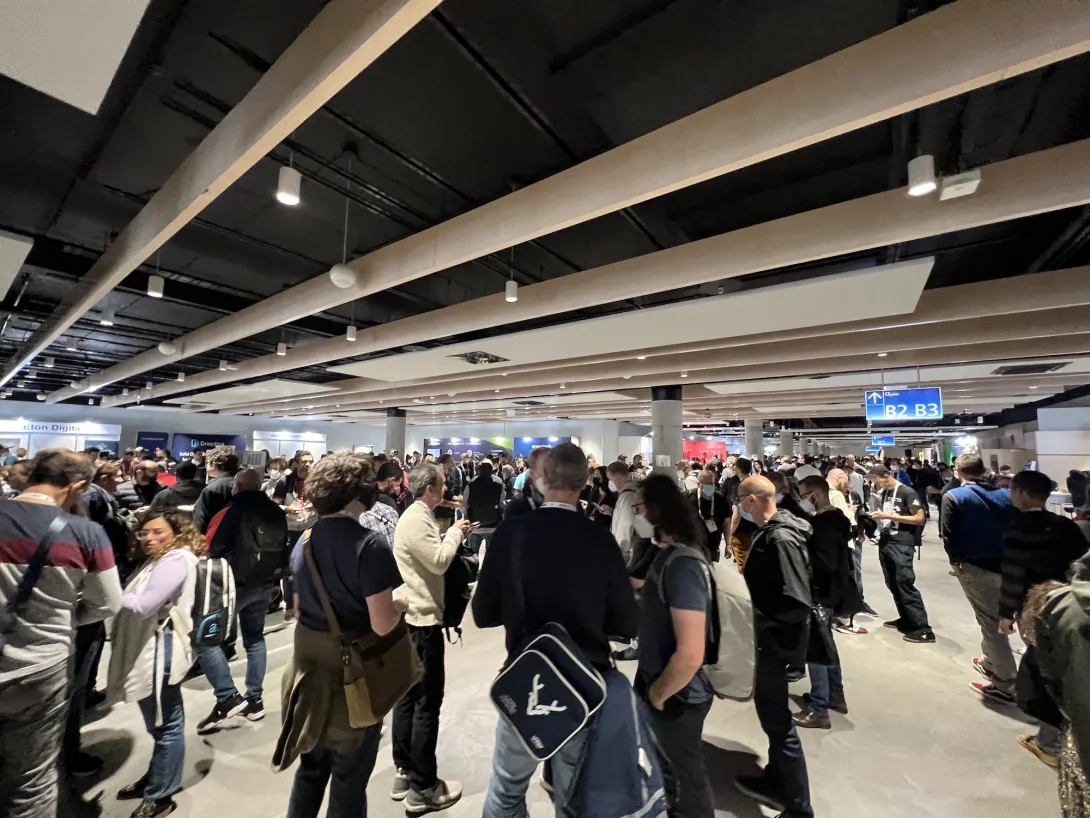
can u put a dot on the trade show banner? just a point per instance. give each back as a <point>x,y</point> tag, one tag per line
<point>704,449</point>
<point>184,444</point>
<point>150,441</point>
<point>102,444</point>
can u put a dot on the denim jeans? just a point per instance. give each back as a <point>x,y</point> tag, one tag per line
<point>786,770</point>
<point>345,773</point>
<point>252,606</point>
<point>826,684</point>
<point>31,726</point>
<point>513,767</point>
<point>164,776</point>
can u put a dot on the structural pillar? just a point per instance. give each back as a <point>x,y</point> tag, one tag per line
<point>814,447</point>
<point>755,442</point>
<point>666,428</point>
<point>395,432</point>
<point>787,443</point>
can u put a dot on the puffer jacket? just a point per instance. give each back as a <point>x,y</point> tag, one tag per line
<point>130,496</point>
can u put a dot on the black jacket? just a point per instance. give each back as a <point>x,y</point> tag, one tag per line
<point>1037,546</point>
<point>779,578</point>
<point>182,493</point>
<point>215,497</point>
<point>246,512</point>
<point>484,500</point>
<point>716,509</point>
<point>130,496</point>
<point>830,558</point>
<point>523,503</point>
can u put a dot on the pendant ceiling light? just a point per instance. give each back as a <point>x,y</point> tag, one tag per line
<point>48,363</point>
<point>181,377</point>
<point>155,286</point>
<point>281,349</point>
<point>107,319</point>
<point>921,176</point>
<point>350,333</point>
<point>223,365</point>
<point>289,184</point>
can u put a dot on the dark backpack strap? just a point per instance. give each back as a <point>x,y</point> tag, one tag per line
<point>17,605</point>
<point>675,553</point>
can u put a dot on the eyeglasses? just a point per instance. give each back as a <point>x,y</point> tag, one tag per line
<point>142,534</point>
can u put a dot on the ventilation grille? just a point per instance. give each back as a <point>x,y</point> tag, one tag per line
<point>476,358</point>
<point>1029,369</point>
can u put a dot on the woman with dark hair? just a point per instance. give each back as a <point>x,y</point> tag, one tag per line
<point>600,500</point>
<point>356,570</point>
<point>151,653</point>
<point>674,608</point>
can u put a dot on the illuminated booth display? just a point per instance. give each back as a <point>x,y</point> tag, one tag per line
<point>37,435</point>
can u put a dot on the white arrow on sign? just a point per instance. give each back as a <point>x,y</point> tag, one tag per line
<point>874,397</point>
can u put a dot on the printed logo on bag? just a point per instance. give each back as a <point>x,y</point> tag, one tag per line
<point>534,707</point>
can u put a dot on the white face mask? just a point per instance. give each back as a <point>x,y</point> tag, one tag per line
<point>612,486</point>
<point>539,484</point>
<point>680,474</point>
<point>274,474</point>
<point>643,527</point>
<point>807,506</point>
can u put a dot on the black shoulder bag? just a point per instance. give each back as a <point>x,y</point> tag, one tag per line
<point>549,691</point>
<point>17,605</point>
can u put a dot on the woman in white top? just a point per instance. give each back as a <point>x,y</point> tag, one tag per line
<point>151,653</point>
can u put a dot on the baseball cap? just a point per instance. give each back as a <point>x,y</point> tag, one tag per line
<point>878,471</point>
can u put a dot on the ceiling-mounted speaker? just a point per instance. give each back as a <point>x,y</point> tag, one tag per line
<point>167,347</point>
<point>342,276</point>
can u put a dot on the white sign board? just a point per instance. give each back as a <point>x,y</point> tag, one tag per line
<point>22,426</point>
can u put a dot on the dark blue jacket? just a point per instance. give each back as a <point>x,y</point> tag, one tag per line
<point>974,519</point>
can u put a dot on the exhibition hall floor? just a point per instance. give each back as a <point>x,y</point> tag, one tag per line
<point>918,742</point>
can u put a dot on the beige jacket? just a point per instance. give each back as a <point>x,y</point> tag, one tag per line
<point>423,557</point>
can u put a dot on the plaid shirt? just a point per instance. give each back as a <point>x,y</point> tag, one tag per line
<point>381,519</point>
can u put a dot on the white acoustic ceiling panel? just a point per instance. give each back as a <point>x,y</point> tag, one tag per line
<point>814,302</point>
<point>13,252</point>
<point>265,390</point>
<point>69,49</point>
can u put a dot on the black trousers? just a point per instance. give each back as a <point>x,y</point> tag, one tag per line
<point>679,729</point>
<point>416,716</point>
<point>786,771</point>
<point>899,571</point>
<point>90,640</point>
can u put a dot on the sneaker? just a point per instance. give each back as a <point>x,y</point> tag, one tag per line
<point>1031,744</point>
<point>995,694</point>
<point>96,698</point>
<point>401,786</point>
<point>629,654</point>
<point>795,674</point>
<point>895,624</point>
<point>254,709</point>
<point>220,713</point>
<point>443,795</point>
<point>758,788</point>
<point>154,808</point>
<point>978,666</point>
<point>134,790</point>
<point>84,764</point>
<point>849,627</point>
<point>839,706</point>
<point>808,718</point>
<point>921,637</point>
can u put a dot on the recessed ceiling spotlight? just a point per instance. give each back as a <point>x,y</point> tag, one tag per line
<point>921,175</point>
<point>882,354</point>
<point>641,357</point>
<point>1033,387</point>
<point>685,374</point>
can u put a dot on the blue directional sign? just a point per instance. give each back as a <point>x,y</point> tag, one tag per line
<point>873,449</point>
<point>882,440</point>
<point>893,405</point>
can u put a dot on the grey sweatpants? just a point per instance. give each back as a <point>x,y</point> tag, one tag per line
<point>32,718</point>
<point>982,590</point>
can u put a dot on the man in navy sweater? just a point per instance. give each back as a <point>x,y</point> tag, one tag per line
<point>974,518</point>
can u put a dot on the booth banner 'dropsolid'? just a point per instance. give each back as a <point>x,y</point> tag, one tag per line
<point>185,444</point>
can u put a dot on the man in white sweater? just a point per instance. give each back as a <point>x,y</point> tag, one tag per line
<point>423,557</point>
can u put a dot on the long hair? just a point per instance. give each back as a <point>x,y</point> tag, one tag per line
<point>668,510</point>
<point>1035,603</point>
<point>186,534</point>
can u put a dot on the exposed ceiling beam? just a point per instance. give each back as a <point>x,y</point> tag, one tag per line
<point>345,37</point>
<point>1028,185</point>
<point>1029,293</point>
<point>963,46</point>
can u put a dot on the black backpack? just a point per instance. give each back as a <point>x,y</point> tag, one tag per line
<point>213,603</point>
<point>458,583</point>
<point>261,552</point>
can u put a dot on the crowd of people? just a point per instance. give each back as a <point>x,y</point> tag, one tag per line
<point>377,558</point>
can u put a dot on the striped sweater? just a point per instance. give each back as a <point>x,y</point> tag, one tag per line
<point>78,585</point>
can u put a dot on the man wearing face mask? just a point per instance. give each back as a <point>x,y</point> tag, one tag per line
<point>533,491</point>
<point>712,507</point>
<point>623,527</point>
<point>777,573</point>
<point>741,529</point>
<point>138,492</point>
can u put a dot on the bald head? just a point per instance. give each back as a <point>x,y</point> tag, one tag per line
<point>838,479</point>
<point>757,498</point>
<point>247,480</point>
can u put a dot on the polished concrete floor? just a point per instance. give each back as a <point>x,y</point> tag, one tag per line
<point>918,742</point>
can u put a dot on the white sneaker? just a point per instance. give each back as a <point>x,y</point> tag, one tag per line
<point>443,795</point>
